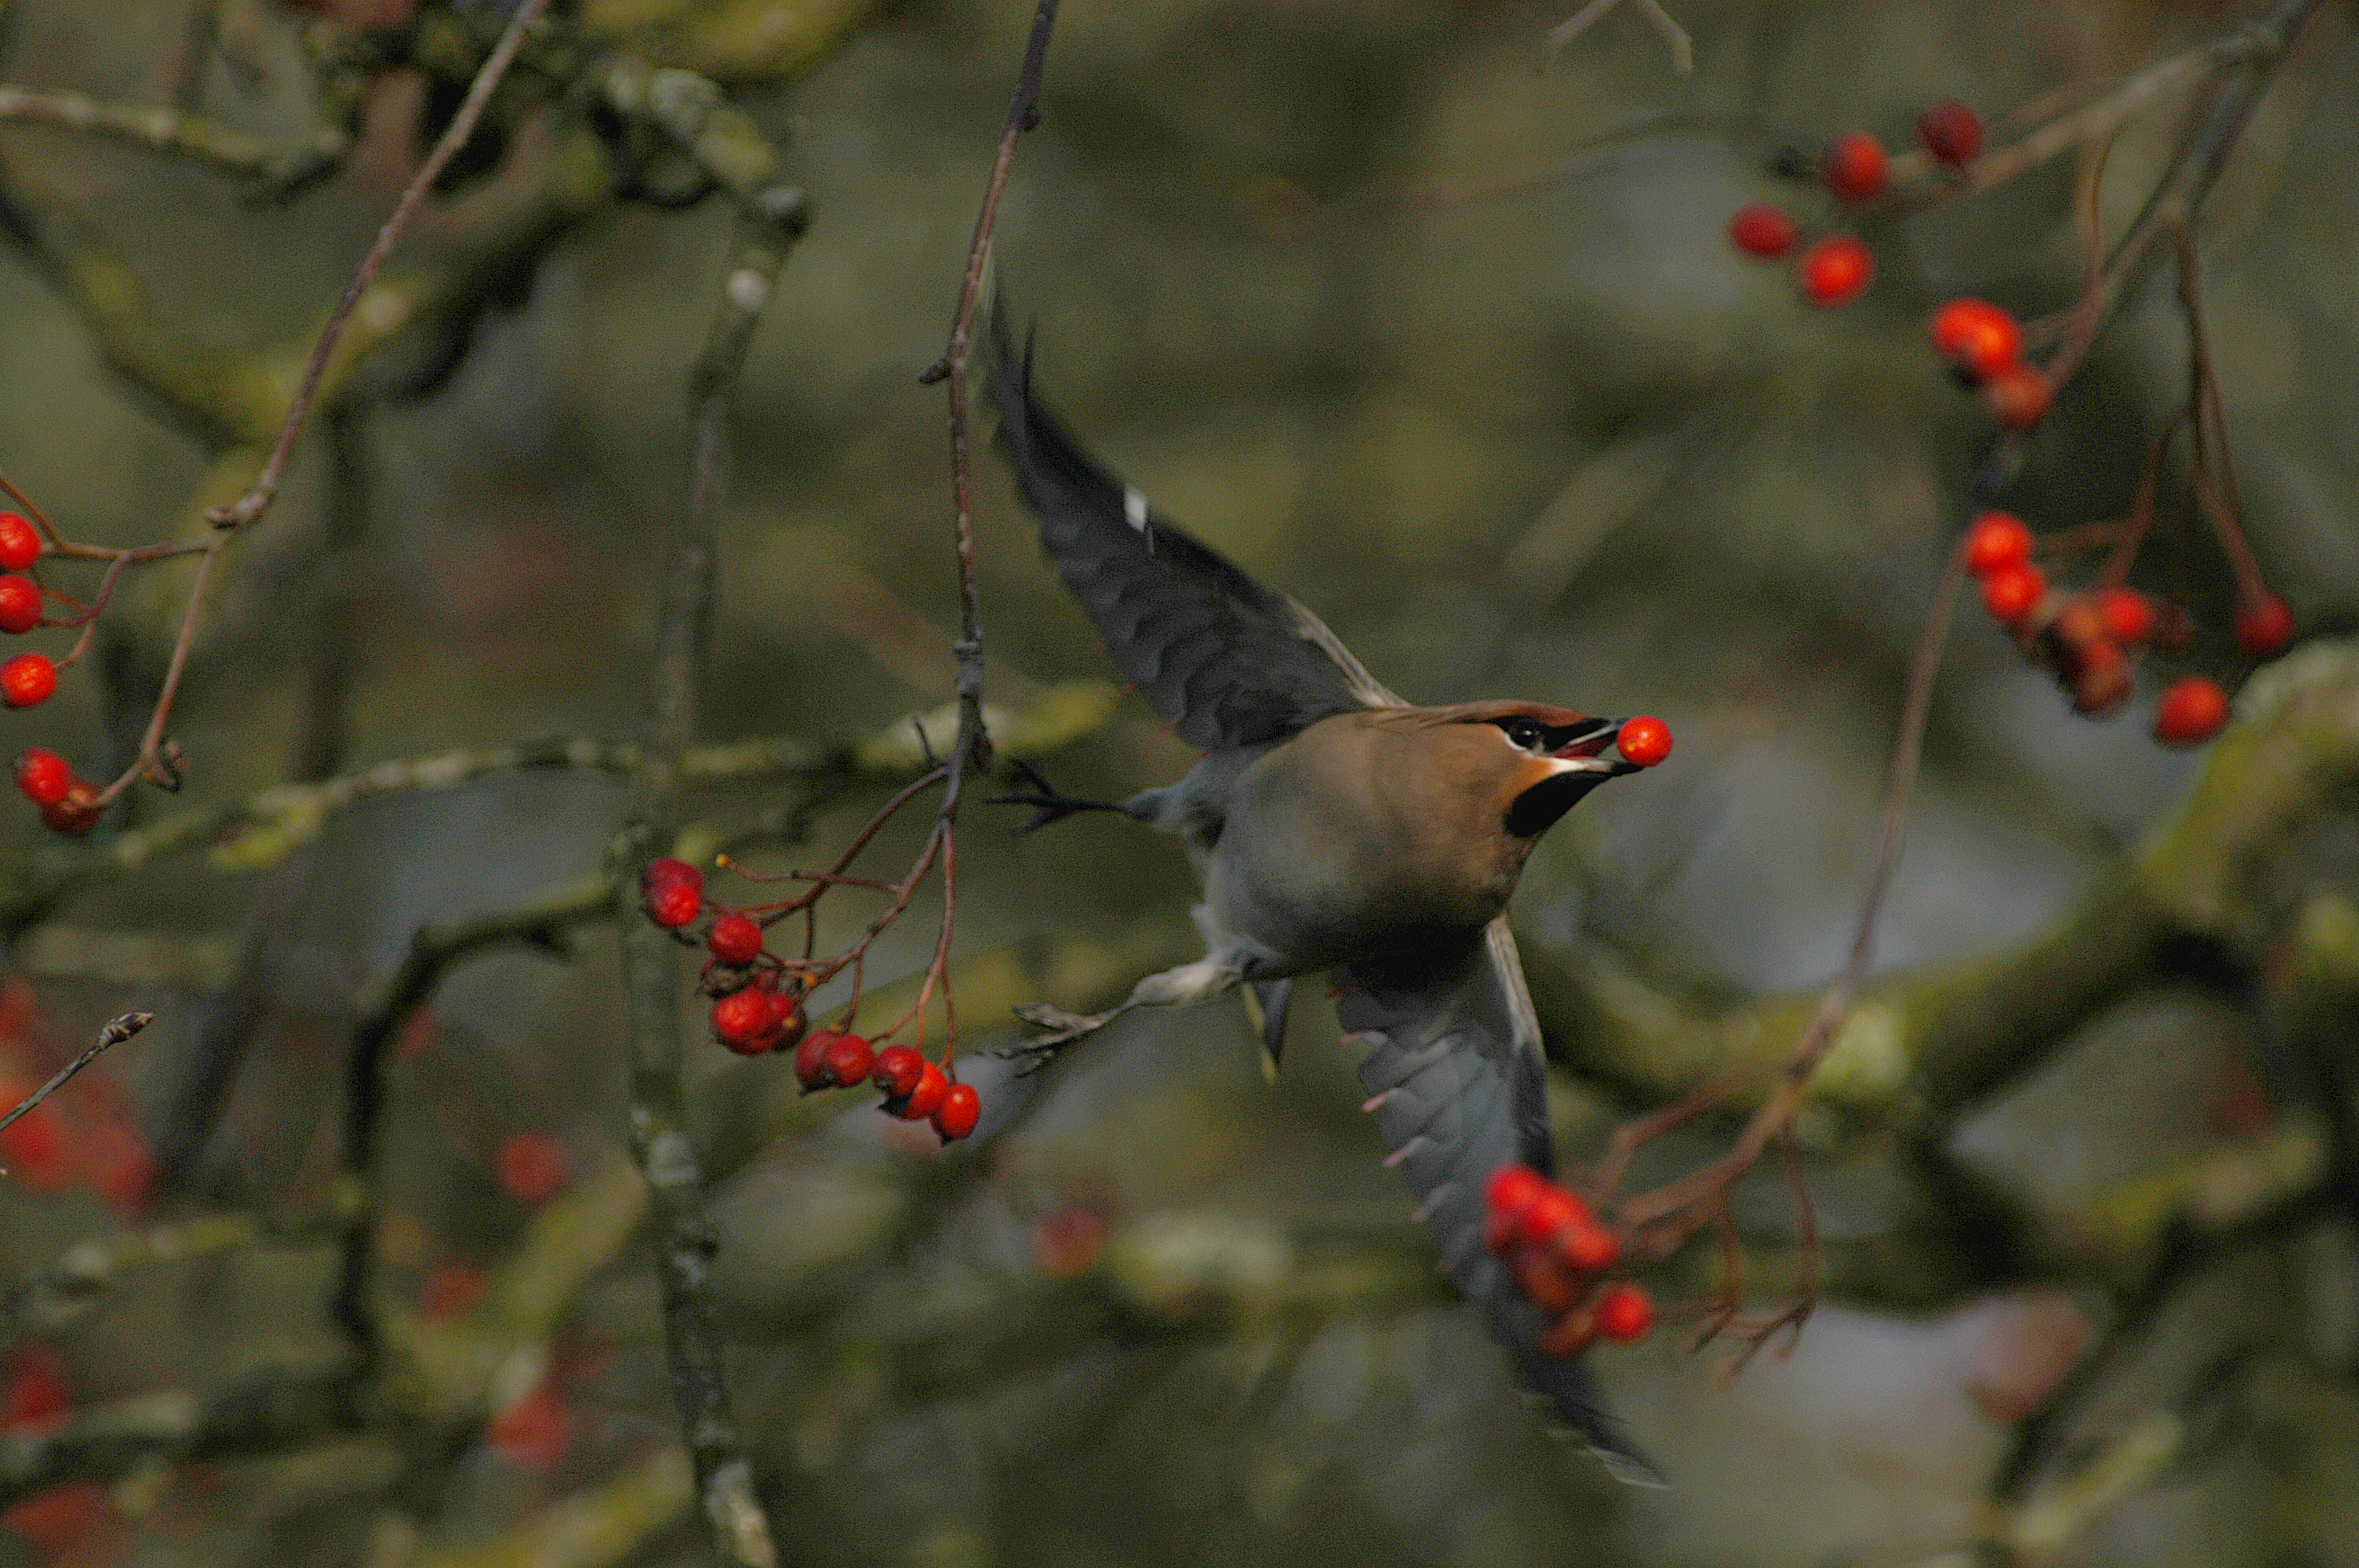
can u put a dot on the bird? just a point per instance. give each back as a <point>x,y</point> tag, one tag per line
<point>1335,828</point>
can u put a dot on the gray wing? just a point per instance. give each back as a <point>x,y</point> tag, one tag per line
<point>1228,662</point>
<point>1454,1054</point>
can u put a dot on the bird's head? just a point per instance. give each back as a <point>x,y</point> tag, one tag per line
<point>1530,761</point>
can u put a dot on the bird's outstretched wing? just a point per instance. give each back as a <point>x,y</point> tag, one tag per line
<point>1454,1058</point>
<point>1227,661</point>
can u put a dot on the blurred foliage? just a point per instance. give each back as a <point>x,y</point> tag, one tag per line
<point>1446,341</point>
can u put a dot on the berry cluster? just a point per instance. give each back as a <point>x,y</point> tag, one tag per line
<point>1836,267</point>
<point>68,802</point>
<point>758,1008</point>
<point>1985,347</point>
<point>1557,1249</point>
<point>2087,637</point>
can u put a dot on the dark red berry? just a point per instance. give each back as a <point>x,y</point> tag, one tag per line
<point>1995,540</point>
<point>1950,132</point>
<point>533,1166</point>
<point>20,543</point>
<point>26,680</point>
<point>961,1108</point>
<point>1835,270</point>
<point>2192,711</point>
<point>1759,229</point>
<point>2264,626</point>
<point>20,603</point>
<point>76,813</point>
<point>810,1060</point>
<point>1587,1247</point>
<point>735,939</point>
<point>848,1059</point>
<point>44,776</point>
<point>898,1070</point>
<point>787,1018</point>
<point>1854,166</point>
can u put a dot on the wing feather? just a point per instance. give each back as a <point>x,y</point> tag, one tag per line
<point>1454,1054</point>
<point>1227,661</point>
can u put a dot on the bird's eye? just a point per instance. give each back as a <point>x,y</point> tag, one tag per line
<point>1525,733</point>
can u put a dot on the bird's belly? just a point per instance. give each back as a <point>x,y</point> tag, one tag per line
<point>1311,910</point>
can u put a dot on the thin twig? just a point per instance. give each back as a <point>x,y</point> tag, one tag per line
<point>116,1032</point>
<point>255,501</point>
<point>1674,36</point>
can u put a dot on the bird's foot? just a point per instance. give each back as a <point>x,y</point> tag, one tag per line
<point>1047,802</point>
<point>1057,1029</point>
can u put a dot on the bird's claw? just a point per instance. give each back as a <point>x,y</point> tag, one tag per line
<point>1057,1030</point>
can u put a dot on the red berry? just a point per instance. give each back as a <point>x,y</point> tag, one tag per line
<point>1512,1189</point>
<point>1586,1246</point>
<point>44,776</point>
<point>451,1290</point>
<point>1950,132</point>
<point>898,1070</point>
<point>669,904</point>
<point>848,1059</point>
<point>20,543</point>
<point>2192,711</point>
<point>1759,229</point>
<point>38,1396</point>
<point>1644,741</point>
<point>2099,678</point>
<point>1977,335</point>
<point>76,813</point>
<point>2017,397</point>
<point>2128,615</point>
<point>533,1167</point>
<point>533,1433</point>
<point>1624,1312</point>
<point>27,679</point>
<point>1854,166</point>
<point>961,1108</point>
<point>786,1020</point>
<point>1550,1211</point>
<point>56,1519</point>
<point>1837,269</point>
<point>668,869</point>
<point>735,939</point>
<point>2013,592</point>
<point>1995,540</point>
<point>933,1087</point>
<point>810,1060</point>
<point>747,1021</point>
<point>20,603</point>
<point>1545,1280</point>
<point>2264,626</point>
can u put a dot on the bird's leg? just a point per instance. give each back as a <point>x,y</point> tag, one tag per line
<point>1208,975</point>
<point>1049,804</point>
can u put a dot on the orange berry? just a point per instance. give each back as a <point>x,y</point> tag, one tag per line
<point>2013,592</point>
<point>2019,396</point>
<point>1759,229</point>
<point>1976,335</point>
<point>1995,540</point>
<point>1854,166</point>
<point>1836,270</point>
<point>2192,711</point>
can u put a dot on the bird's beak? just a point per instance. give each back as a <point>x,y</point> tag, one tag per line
<point>1582,754</point>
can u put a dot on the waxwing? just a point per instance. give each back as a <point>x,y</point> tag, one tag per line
<point>1339,829</point>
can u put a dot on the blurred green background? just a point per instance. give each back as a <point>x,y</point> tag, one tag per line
<point>1445,339</point>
